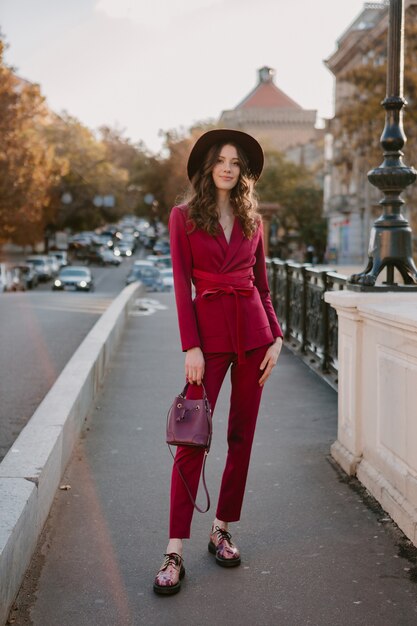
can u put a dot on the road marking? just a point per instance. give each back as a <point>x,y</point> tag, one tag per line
<point>75,309</point>
<point>146,306</point>
<point>85,303</point>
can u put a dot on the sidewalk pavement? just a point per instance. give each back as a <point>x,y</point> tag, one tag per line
<point>315,552</point>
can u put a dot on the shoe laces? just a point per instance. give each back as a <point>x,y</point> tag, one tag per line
<point>171,558</point>
<point>222,534</point>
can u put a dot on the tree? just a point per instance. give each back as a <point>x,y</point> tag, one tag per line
<point>358,124</point>
<point>361,118</point>
<point>91,175</point>
<point>133,158</point>
<point>119,149</point>
<point>165,175</point>
<point>300,200</point>
<point>29,168</point>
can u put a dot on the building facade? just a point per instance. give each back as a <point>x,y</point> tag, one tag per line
<point>351,203</point>
<point>270,115</point>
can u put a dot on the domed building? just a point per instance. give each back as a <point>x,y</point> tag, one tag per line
<point>270,115</point>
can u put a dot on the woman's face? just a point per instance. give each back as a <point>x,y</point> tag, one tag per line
<point>226,170</point>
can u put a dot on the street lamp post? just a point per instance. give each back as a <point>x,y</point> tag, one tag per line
<point>390,244</point>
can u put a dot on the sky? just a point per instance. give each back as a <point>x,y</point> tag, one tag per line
<point>151,65</point>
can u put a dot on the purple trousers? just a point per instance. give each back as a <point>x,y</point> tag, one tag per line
<point>244,406</point>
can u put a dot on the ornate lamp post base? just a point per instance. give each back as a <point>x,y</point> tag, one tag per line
<point>390,248</point>
<point>390,243</point>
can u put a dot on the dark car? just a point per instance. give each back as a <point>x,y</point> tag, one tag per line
<point>148,276</point>
<point>74,278</point>
<point>93,256</point>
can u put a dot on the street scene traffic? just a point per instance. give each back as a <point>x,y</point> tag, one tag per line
<point>43,316</point>
<point>70,266</point>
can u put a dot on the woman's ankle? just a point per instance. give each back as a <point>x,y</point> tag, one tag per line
<point>220,524</point>
<point>174,545</point>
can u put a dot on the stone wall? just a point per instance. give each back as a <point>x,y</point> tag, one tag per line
<point>377,413</point>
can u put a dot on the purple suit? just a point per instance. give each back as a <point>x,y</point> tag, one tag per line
<point>232,320</point>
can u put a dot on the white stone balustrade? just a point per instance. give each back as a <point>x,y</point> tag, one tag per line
<point>377,411</point>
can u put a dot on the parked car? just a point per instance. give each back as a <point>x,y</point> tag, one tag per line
<point>61,256</point>
<point>74,277</point>
<point>11,278</point>
<point>167,278</point>
<point>149,276</point>
<point>28,274</point>
<point>18,282</point>
<point>3,277</point>
<point>41,265</point>
<point>54,264</point>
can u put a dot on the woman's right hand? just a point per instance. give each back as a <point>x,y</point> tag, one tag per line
<point>194,366</point>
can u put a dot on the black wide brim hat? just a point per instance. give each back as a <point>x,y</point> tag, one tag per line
<point>222,136</point>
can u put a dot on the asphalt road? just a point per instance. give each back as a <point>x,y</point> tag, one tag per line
<point>315,550</point>
<point>39,332</point>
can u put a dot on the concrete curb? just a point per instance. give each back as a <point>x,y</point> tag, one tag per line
<point>30,472</point>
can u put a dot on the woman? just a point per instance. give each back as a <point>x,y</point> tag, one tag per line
<point>217,244</point>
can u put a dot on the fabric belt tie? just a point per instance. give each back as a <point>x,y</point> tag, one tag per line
<point>237,283</point>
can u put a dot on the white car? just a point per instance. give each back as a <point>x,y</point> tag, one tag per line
<point>76,278</point>
<point>54,264</point>
<point>61,256</point>
<point>41,265</point>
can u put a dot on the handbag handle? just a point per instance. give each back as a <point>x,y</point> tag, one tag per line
<point>195,505</point>
<point>206,402</point>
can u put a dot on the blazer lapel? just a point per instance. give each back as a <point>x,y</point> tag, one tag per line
<point>234,244</point>
<point>221,240</point>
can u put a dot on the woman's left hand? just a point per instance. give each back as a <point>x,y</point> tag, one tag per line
<point>270,360</point>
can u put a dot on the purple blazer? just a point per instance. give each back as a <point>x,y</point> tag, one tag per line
<point>232,309</point>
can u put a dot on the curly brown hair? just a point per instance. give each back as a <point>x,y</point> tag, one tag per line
<point>202,204</point>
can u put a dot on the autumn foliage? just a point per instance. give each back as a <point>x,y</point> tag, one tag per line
<point>359,123</point>
<point>55,172</point>
<point>29,167</point>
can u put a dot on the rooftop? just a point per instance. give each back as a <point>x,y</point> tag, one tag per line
<point>266,94</point>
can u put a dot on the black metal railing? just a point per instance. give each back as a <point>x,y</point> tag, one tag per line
<point>308,322</point>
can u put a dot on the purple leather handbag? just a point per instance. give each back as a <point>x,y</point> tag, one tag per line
<point>189,423</point>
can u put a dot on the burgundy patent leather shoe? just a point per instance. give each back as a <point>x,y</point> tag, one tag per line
<point>168,579</point>
<point>220,544</point>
